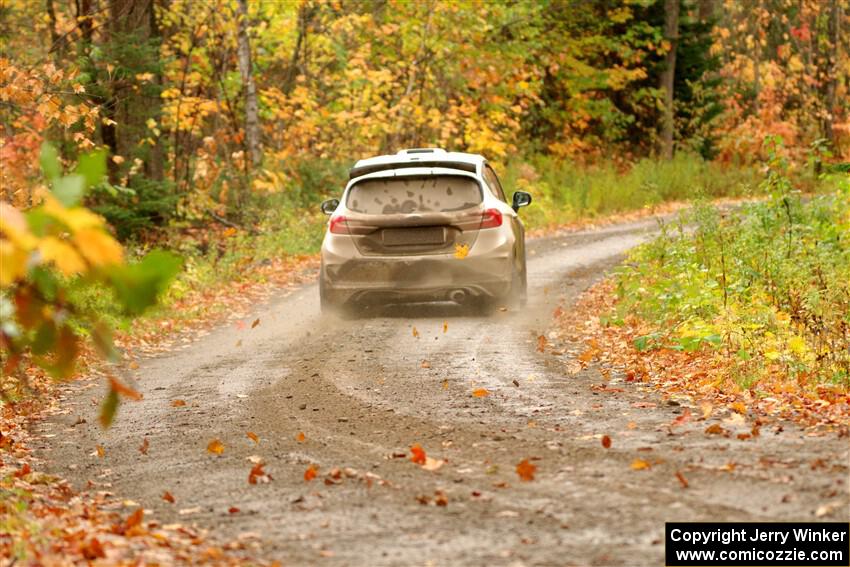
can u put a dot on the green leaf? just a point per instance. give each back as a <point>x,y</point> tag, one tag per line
<point>92,167</point>
<point>108,408</point>
<point>49,159</point>
<point>69,190</point>
<point>743,355</point>
<point>138,285</point>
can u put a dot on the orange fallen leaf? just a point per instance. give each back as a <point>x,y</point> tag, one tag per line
<point>706,409</point>
<point>445,326</point>
<point>257,474</point>
<point>440,498</point>
<point>216,447</point>
<point>425,364</point>
<point>480,392</point>
<point>606,441</point>
<point>133,365</point>
<point>739,407</point>
<point>300,437</point>
<point>255,323</point>
<point>445,384</point>
<point>240,325</point>
<point>682,419</point>
<point>418,455</point>
<point>526,470</point>
<point>233,510</point>
<point>415,333</point>
<point>640,464</point>
<point>715,429</point>
<point>253,437</point>
<point>541,343</point>
<point>93,550</point>
<point>311,473</point>
<point>143,449</point>
<point>178,403</point>
<point>587,355</point>
<point>101,452</point>
<point>168,497</point>
<point>135,519</point>
<point>632,425</point>
<point>682,480</point>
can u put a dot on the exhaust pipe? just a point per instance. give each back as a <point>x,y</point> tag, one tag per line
<point>458,295</point>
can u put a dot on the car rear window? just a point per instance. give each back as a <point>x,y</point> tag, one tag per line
<point>394,195</point>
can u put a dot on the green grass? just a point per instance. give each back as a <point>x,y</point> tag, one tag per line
<point>767,286</point>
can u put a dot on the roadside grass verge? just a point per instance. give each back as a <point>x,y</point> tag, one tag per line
<point>750,307</point>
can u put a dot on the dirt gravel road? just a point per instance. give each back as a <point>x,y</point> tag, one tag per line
<point>360,393</point>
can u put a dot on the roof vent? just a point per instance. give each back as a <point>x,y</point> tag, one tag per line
<point>421,151</point>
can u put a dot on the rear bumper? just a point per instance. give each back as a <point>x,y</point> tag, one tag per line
<point>347,275</point>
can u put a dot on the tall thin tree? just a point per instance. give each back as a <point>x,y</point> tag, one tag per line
<point>668,75</point>
<point>249,88</point>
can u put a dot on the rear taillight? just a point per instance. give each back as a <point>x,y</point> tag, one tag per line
<point>491,218</point>
<point>338,225</point>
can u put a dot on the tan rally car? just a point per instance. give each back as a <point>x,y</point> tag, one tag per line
<point>423,225</point>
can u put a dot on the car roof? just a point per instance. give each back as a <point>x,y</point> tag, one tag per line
<point>418,157</point>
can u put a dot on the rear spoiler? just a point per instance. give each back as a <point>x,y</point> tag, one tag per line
<point>372,168</point>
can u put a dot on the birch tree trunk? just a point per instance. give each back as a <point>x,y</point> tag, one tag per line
<point>671,34</point>
<point>249,89</point>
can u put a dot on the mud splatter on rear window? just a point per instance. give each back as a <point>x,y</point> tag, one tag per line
<point>436,193</point>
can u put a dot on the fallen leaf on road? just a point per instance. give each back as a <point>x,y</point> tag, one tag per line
<point>639,465</point>
<point>606,441</point>
<point>706,409</point>
<point>101,452</point>
<point>135,519</point>
<point>440,498</point>
<point>418,455</point>
<point>415,333</point>
<point>445,384</point>
<point>541,343</point>
<point>480,392</point>
<point>143,448</point>
<point>682,480</point>
<point>233,510</point>
<point>253,437</point>
<point>300,437</point>
<point>240,325</point>
<point>715,429</point>
<point>216,447</point>
<point>682,419</point>
<point>178,403</point>
<point>133,365</point>
<point>425,364</point>
<point>168,497</point>
<point>311,473</point>
<point>93,550</point>
<point>258,475</point>
<point>445,326</point>
<point>632,425</point>
<point>255,323</point>
<point>526,470</point>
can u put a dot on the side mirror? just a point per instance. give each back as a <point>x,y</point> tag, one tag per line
<point>521,199</point>
<point>329,206</point>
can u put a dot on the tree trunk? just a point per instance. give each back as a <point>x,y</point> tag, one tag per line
<point>671,34</point>
<point>249,89</point>
<point>832,72</point>
<point>132,22</point>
